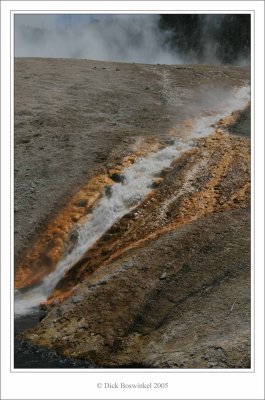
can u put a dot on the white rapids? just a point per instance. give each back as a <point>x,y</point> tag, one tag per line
<point>124,197</point>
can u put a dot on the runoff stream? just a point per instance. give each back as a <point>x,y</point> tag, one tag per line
<point>123,197</point>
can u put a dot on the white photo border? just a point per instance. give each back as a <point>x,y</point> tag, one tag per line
<point>257,277</point>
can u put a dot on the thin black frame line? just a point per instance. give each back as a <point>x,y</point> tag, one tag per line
<point>12,92</point>
<point>252,43</point>
<point>128,11</point>
<point>128,370</point>
<point>88,369</point>
<point>98,370</point>
<point>144,399</point>
<point>142,370</point>
<point>84,1</point>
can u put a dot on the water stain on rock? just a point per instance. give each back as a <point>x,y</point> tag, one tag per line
<point>167,285</point>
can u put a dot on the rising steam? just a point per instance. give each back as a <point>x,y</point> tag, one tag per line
<point>129,38</point>
<point>151,39</point>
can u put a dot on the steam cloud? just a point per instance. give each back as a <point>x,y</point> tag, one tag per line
<point>151,39</point>
<point>130,38</point>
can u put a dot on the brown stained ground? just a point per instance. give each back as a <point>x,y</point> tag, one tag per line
<point>168,285</point>
<point>213,177</point>
<point>181,301</point>
<point>76,118</point>
<point>59,235</point>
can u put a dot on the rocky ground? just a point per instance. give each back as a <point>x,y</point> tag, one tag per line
<point>74,117</point>
<point>168,285</point>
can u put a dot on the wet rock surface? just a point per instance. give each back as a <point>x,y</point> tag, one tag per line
<point>197,316</point>
<point>72,118</point>
<point>172,289</point>
<point>212,177</point>
<point>168,285</point>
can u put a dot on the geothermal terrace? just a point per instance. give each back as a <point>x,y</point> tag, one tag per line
<point>132,212</point>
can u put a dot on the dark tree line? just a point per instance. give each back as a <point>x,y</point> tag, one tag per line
<point>209,38</point>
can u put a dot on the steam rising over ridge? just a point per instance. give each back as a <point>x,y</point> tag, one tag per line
<point>151,39</point>
<point>130,38</point>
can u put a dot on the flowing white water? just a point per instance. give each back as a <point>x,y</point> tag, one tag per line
<point>124,197</point>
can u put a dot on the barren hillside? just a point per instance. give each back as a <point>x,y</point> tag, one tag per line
<point>163,276</point>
